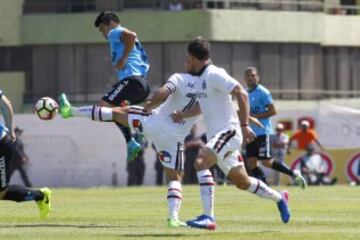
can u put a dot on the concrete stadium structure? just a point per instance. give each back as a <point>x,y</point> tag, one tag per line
<point>299,54</point>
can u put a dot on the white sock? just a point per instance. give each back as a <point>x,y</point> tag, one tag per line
<point>207,191</point>
<point>174,196</point>
<point>95,113</point>
<point>262,190</point>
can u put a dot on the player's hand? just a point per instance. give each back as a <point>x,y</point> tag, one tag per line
<point>248,134</point>
<point>12,136</point>
<point>256,122</point>
<point>148,106</point>
<point>177,116</point>
<point>121,64</point>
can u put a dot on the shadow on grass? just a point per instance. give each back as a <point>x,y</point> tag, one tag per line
<point>158,235</point>
<point>65,226</point>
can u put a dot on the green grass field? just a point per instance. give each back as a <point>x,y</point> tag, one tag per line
<point>140,213</point>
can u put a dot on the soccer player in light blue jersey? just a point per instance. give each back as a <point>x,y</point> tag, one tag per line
<point>262,107</point>
<point>131,65</point>
<point>16,193</point>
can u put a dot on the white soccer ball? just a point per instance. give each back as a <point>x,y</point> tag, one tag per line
<point>46,108</point>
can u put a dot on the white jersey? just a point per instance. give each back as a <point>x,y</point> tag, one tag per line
<point>212,89</point>
<point>177,101</point>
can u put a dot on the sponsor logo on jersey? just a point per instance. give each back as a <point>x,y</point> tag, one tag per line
<point>353,168</point>
<point>197,95</point>
<point>203,84</point>
<point>137,125</point>
<point>191,85</point>
<point>164,156</point>
<point>2,172</point>
<point>118,89</point>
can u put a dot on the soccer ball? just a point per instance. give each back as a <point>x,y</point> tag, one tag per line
<point>46,108</point>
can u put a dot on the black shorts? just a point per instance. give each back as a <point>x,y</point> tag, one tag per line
<point>260,148</point>
<point>6,149</point>
<point>134,89</point>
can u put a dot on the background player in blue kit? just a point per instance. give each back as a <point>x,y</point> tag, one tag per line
<point>262,108</point>
<point>16,193</point>
<point>131,65</point>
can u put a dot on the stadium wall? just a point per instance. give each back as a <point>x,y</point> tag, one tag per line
<point>10,18</point>
<point>216,25</point>
<point>82,153</point>
<point>13,85</point>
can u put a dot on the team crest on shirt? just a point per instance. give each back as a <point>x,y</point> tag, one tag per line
<point>203,84</point>
<point>164,156</point>
<point>191,85</point>
<point>137,125</point>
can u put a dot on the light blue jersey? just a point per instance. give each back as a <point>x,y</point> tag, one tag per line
<point>3,129</point>
<point>260,98</point>
<point>137,62</point>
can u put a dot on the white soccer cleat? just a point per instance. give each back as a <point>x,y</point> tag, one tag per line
<point>299,179</point>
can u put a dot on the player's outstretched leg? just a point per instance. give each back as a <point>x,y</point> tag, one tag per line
<point>281,198</point>
<point>299,179</point>
<point>103,114</point>
<point>174,197</point>
<point>242,181</point>
<point>65,107</point>
<point>206,220</point>
<point>283,168</point>
<point>283,207</point>
<point>42,197</point>
<point>133,149</point>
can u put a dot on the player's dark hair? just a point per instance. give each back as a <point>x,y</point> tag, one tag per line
<point>250,69</point>
<point>106,18</point>
<point>199,48</point>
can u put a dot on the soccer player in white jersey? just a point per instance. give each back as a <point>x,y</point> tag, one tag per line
<point>156,125</point>
<point>214,89</point>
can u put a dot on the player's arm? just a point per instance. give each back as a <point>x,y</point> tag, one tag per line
<point>242,98</point>
<point>158,98</point>
<point>319,144</point>
<point>178,116</point>
<point>293,137</point>
<point>271,111</point>
<point>8,113</point>
<point>128,38</point>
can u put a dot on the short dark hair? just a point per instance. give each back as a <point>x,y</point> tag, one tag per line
<point>199,48</point>
<point>106,18</point>
<point>250,69</point>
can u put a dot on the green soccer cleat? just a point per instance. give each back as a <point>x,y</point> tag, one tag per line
<point>133,150</point>
<point>299,179</point>
<point>175,223</point>
<point>65,107</point>
<point>45,204</point>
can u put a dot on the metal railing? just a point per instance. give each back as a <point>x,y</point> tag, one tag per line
<point>315,94</point>
<point>74,6</point>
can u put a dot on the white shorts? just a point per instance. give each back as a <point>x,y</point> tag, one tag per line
<point>226,144</point>
<point>167,140</point>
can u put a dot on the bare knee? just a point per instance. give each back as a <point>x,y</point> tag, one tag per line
<point>120,115</point>
<point>239,177</point>
<point>205,160</point>
<point>173,175</point>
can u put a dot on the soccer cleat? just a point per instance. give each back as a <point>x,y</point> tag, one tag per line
<point>175,223</point>
<point>65,107</point>
<point>133,149</point>
<point>283,207</point>
<point>203,222</point>
<point>299,179</point>
<point>45,204</point>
